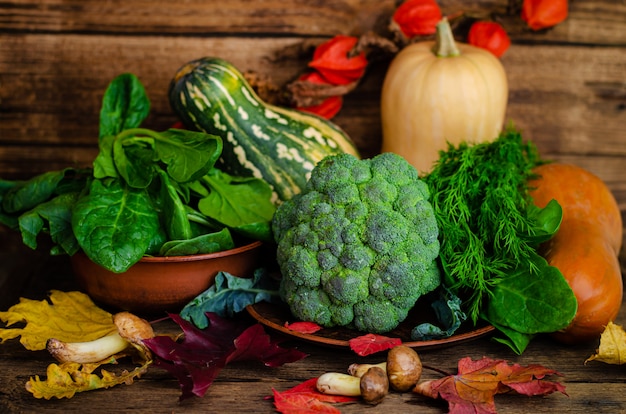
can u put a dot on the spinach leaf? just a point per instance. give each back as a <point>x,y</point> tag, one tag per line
<point>532,302</point>
<point>134,158</point>
<point>546,222</point>
<point>206,243</point>
<point>515,340</point>
<point>28,194</point>
<point>230,295</point>
<point>125,105</point>
<point>114,224</point>
<point>103,165</point>
<point>449,315</point>
<point>7,219</point>
<point>189,155</point>
<point>239,203</point>
<point>57,212</point>
<point>177,225</point>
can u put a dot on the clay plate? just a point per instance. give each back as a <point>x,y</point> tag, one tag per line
<point>274,316</point>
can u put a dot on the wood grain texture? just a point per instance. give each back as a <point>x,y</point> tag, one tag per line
<point>242,387</point>
<point>567,84</point>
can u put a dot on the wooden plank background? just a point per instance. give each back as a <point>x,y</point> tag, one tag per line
<point>567,84</point>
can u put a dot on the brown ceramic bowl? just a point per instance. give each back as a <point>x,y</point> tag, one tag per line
<point>156,285</point>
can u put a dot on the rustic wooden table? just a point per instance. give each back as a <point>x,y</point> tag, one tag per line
<point>594,387</point>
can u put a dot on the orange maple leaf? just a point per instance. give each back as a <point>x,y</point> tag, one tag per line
<point>473,389</point>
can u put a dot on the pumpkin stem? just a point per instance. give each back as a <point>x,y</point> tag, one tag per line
<point>445,46</point>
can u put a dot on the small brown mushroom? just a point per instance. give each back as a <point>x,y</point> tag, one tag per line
<point>374,385</point>
<point>403,367</point>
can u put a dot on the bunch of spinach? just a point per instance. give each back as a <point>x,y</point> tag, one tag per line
<point>148,193</point>
<point>489,233</point>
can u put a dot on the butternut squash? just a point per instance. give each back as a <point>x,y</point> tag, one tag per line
<point>586,247</point>
<point>441,91</point>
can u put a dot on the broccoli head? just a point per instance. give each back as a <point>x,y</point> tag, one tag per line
<point>358,246</point>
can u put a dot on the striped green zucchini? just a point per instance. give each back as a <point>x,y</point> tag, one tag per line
<point>276,144</point>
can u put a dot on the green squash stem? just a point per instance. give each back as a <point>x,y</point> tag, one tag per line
<point>445,46</point>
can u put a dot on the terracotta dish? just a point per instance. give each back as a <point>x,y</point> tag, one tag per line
<point>156,285</point>
<point>275,316</point>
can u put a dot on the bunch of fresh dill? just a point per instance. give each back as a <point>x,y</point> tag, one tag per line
<point>481,201</point>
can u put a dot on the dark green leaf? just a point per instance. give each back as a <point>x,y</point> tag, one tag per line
<point>9,220</point>
<point>125,105</point>
<point>449,315</point>
<point>237,202</point>
<point>256,231</point>
<point>515,340</point>
<point>532,302</point>
<point>206,243</point>
<point>115,224</point>
<point>189,155</point>
<point>27,194</point>
<point>134,158</point>
<point>57,213</point>
<point>546,221</point>
<point>228,296</point>
<point>103,165</point>
<point>174,214</point>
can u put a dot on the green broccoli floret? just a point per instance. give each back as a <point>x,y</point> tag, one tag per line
<point>358,246</point>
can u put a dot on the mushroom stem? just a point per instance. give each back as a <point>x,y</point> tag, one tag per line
<point>131,330</point>
<point>336,383</point>
<point>87,352</point>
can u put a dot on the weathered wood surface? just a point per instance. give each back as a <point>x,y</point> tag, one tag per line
<point>567,93</point>
<point>567,84</point>
<point>242,386</point>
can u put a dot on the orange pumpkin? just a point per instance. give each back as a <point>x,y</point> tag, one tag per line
<point>586,247</point>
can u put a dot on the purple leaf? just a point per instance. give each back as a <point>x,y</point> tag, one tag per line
<point>198,358</point>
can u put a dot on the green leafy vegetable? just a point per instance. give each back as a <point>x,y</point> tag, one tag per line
<point>125,105</point>
<point>57,212</point>
<point>228,296</point>
<point>143,194</point>
<point>449,315</point>
<point>205,243</point>
<point>242,203</point>
<point>540,303</point>
<point>114,224</point>
<point>492,230</point>
<point>177,225</point>
<point>28,194</point>
<point>481,208</point>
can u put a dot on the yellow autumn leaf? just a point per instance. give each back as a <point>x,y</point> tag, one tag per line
<point>65,380</point>
<point>67,316</point>
<point>612,348</point>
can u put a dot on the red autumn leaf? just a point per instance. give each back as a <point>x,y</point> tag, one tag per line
<point>490,36</point>
<point>199,357</point>
<point>303,327</point>
<point>331,59</point>
<point>417,17</point>
<point>541,14</point>
<point>371,343</point>
<point>296,403</point>
<point>473,389</point>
